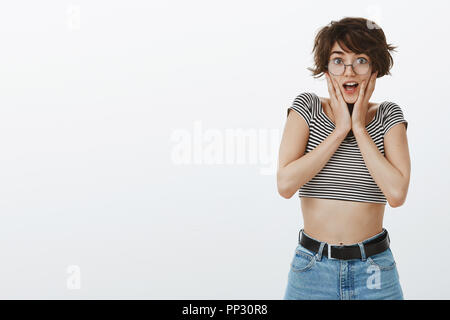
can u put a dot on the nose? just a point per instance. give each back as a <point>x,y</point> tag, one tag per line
<point>349,71</point>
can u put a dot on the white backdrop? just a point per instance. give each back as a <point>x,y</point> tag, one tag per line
<point>139,144</point>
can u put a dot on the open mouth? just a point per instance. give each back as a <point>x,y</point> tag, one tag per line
<point>350,87</point>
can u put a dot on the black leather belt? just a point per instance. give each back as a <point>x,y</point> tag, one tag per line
<point>346,252</point>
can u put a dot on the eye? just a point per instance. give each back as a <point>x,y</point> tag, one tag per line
<point>362,60</point>
<point>336,60</point>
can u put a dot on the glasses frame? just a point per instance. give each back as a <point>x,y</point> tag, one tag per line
<point>345,66</point>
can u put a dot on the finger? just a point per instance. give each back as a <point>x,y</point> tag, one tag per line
<point>338,91</point>
<point>371,84</point>
<point>335,91</point>
<point>373,77</point>
<point>374,80</point>
<point>361,94</point>
<point>331,90</point>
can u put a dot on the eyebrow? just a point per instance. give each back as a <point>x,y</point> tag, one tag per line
<point>337,52</point>
<point>340,52</point>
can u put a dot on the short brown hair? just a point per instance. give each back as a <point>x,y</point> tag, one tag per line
<point>358,35</point>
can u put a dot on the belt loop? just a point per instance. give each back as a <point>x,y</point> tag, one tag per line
<point>363,252</point>
<point>319,253</point>
<point>300,235</point>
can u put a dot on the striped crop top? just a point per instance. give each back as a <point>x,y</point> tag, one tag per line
<point>345,176</point>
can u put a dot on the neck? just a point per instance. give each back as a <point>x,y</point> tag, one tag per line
<point>350,107</point>
<point>350,110</point>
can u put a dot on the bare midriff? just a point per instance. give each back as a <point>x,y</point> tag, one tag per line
<point>341,222</point>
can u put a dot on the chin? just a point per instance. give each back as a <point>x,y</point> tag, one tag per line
<point>350,99</point>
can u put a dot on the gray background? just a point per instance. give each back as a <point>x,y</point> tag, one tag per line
<point>94,95</point>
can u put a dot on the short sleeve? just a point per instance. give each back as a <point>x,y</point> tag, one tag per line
<point>393,115</point>
<point>302,105</point>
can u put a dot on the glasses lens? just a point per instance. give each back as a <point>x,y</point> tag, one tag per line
<point>361,66</point>
<point>336,67</point>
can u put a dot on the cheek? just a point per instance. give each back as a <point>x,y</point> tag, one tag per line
<point>335,80</point>
<point>366,79</point>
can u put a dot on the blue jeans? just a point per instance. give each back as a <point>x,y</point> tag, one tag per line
<point>315,277</point>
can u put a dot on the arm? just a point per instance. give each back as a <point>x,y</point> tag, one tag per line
<point>296,168</point>
<point>392,171</point>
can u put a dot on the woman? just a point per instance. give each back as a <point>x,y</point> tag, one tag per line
<point>347,157</point>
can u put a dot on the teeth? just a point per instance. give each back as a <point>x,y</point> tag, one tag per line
<point>350,83</point>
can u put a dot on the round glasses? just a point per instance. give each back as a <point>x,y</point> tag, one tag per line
<point>337,67</point>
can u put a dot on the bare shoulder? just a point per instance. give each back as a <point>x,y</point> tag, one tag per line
<point>324,100</point>
<point>374,106</point>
